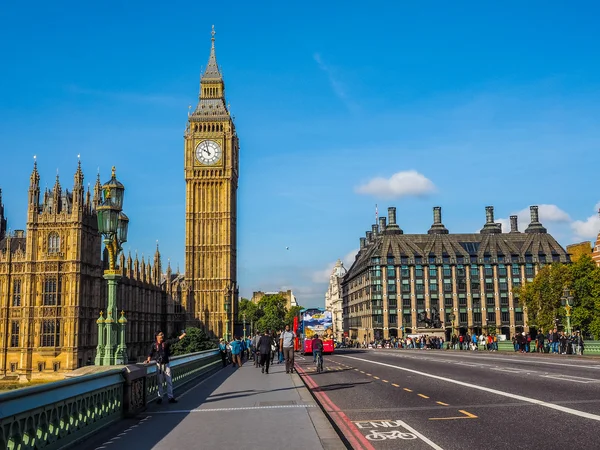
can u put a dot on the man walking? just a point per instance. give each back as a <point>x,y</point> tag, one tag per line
<point>223,351</point>
<point>255,351</point>
<point>161,351</point>
<point>264,348</point>
<point>286,345</point>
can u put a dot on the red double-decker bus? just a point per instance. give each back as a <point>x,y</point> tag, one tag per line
<point>315,321</point>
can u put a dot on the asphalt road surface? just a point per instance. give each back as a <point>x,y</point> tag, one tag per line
<point>423,399</point>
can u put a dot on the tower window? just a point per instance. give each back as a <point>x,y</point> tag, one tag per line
<point>50,294</point>
<point>50,333</point>
<point>16,293</point>
<point>53,243</point>
<point>14,333</point>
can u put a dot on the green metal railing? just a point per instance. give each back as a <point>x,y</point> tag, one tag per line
<point>59,414</point>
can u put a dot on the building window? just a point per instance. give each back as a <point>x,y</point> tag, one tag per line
<point>13,367</point>
<point>14,333</point>
<point>491,317</point>
<point>463,317</point>
<point>393,318</point>
<point>41,366</point>
<point>518,317</point>
<point>391,272</point>
<point>56,366</point>
<point>50,292</point>
<point>16,293</point>
<point>418,271</point>
<point>447,271</point>
<point>505,316</point>
<point>50,333</point>
<point>53,243</point>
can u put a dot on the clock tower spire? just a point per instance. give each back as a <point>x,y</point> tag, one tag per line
<point>211,152</point>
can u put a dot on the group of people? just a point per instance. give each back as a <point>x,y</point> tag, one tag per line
<point>556,342</point>
<point>261,348</point>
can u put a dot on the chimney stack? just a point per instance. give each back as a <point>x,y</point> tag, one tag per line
<point>514,227</point>
<point>374,230</point>
<point>363,242</point>
<point>392,227</point>
<point>369,236</point>
<point>489,214</point>
<point>535,226</point>
<point>382,224</point>
<point>437,227</point>
<point>490,226</point>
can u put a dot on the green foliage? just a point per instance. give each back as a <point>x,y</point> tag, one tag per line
<point>543,296</point>
<point>195,340</point>
<point>292,312</point>
<point>252,311</point>
<point>273,308</point>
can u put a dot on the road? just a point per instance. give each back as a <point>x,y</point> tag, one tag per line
<point>423,399</point>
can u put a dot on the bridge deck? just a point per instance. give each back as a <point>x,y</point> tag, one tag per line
<point>233,408</point>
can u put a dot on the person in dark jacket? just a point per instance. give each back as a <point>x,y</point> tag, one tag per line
<point>264,348</point>
<point>161,352</point>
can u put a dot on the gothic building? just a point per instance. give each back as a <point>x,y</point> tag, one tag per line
<point>52,290</point>
<point>596,251</point>
<point>457,283</point>
<point>211,154</point>
<point>333,299</point>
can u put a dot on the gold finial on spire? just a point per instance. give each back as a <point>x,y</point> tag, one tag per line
<point>114,172</point>
<point>212,34</point>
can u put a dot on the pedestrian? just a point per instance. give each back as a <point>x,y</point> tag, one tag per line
<point>161,351</point>
<point>265,345</point>
<point>248,347</point>
<point>223,351</point>
<point>236,351</point>
<point>255,340</point>
<point>286,345</point>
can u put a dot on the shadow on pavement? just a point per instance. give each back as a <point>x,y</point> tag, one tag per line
<point>131,433</point>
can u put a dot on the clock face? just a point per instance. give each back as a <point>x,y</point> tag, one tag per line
<point>208,152</point>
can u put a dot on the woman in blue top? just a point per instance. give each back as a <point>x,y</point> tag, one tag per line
<point>236,351</point>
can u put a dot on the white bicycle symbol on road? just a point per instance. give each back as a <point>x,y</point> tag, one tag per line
<point>383,435</point>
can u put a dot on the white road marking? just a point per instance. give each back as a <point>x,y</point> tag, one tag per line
<point>571,378</point>
<point>486,389</point>
<point>420,436</point>
<point>246,408</point>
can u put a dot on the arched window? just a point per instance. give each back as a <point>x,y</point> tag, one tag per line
<point>53,243</point>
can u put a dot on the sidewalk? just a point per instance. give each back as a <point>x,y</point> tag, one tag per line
<point>233,408</point>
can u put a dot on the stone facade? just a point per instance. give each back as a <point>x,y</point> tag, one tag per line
<point>578,250</point>
<point>52,290</point>
<point>211,154</point>
<point>333,299</point>
<point>409,283</point>
<point>288,295</point>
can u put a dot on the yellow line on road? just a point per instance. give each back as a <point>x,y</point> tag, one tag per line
<point>408,390</point>
<point>421,395</point>
<point>395,385</point>
<point>467,415</point>
<point>442,403</point>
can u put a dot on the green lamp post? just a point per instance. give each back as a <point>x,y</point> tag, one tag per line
<point>112,225</point>
<point>227,304</point>
<point>567,301</point>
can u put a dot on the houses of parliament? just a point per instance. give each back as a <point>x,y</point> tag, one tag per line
<point>51,284</point>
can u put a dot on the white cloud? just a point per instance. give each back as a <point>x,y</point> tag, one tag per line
<point>322,276</point>
<point>588,228</point>
<point>546,213</point>
<point>409,183</point>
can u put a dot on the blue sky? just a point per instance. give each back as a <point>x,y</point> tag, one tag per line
<point>338,105</point>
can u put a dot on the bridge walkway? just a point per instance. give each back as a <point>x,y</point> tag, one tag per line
<point>232,408</point>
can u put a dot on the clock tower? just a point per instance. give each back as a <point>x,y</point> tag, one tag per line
<point>211,178</point>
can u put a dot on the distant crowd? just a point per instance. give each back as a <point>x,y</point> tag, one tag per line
<point>556,342</point>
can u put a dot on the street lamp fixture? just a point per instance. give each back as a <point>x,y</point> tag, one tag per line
<point>452,316</point>
<point>567,301</point>
<point>113,225</point>
<point>227,304</point>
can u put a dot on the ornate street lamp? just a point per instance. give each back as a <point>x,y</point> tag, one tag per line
<point>567,301</point>
<point>112,225</point>
<point>451,316</point>
<point>244,317</point>
<point>228,294</point>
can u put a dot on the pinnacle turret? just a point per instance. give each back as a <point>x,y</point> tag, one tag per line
<point>212,72</point>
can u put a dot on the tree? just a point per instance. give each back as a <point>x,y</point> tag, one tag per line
<point>252,311</point>
<point>273,308</point>
<point>292,312</point>
<point>195,340</point>
<point>542,295</point>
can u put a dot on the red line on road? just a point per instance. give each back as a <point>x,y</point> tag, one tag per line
<point>355,437</point>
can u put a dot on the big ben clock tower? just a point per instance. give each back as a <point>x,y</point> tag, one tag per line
<point>211,178</point>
